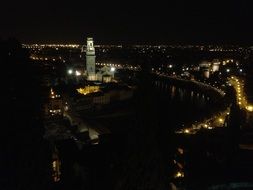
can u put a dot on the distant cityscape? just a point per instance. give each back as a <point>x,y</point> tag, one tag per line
<point>103,105</point>
<point>126,95</point>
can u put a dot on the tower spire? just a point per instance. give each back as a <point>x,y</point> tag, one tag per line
<point>90,59</point>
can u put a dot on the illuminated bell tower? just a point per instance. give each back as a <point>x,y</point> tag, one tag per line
<point>90,60</point>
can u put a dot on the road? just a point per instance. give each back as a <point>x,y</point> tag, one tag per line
<point>238,85</point>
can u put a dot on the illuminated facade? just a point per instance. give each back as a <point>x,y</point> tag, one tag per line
<point>215,65</point>
<point>90,60</point>
<point>54,106</point>
<point>105,74</point>
<point>56,166</point>
<point>88,89</point>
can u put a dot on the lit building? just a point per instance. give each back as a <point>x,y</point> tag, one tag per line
<point>90,97</point>
<point>56,166</point>
<point>206,73</point>
<point>90,60</point>
<point>204,68</point>
<point>88,90</point>
<point>106,74</point>
<point>215,65</point>
<point>54,106</point>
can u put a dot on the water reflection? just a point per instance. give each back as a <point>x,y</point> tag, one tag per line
<point>56,165</point>
<point>188,97</point>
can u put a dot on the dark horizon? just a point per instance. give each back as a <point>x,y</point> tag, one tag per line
<point>138,44</point>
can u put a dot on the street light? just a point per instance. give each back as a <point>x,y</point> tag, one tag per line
<point>70,71</point>
<point>78,73</point>
<point>186,131</point>
<point>179,174</point>
<point>249,108</point>
<point>113,69</point>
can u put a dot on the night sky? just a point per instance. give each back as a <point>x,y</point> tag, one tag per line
<point>128,22</point>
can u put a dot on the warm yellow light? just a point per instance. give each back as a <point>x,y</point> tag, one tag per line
<point>179,174</point>
<point>249,108</point>
<point>240,103</point>
<point>88,89</point>
<point>220,120</point>
<point>186,131</point>
<point>54,164</point>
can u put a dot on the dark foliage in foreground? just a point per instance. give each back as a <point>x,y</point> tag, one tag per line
<point>24,154</point>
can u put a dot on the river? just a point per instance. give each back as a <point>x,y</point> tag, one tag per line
<point>108,164</point>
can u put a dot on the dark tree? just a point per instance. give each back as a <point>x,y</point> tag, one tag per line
<point>25,155</point>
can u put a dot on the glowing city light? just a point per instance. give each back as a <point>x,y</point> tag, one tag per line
<point>179,174</point>
<point>78,73</point>
<point>88,89</point>
<point>228,70</point>
<point>249,108</point>
<point>112,69</point>
<point>70,71</point>
<point>186,131</point>
<point>220,120</point>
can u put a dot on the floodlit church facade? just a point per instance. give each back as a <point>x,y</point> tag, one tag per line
<point>104,74</point>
